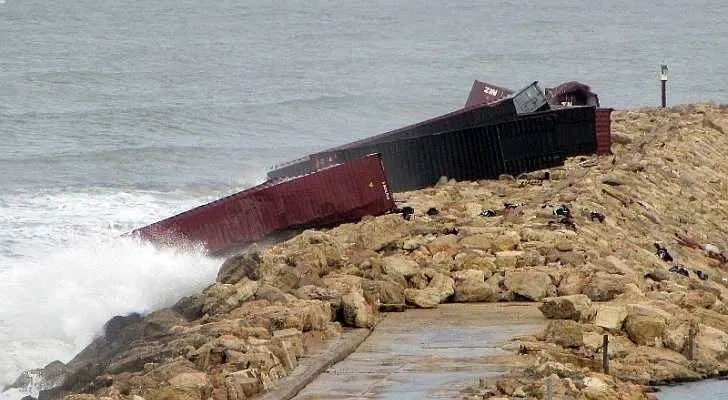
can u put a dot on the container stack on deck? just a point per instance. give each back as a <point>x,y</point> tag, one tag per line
<point>497,132</point>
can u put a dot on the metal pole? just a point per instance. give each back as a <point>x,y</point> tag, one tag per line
<point>605,354</point>
<point>663,81</point>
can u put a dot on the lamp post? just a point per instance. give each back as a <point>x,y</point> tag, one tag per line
<point>663,81</point>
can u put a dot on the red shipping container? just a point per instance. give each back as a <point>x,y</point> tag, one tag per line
<point>337,194</point>
<point>603,130</point>
<point>486,93</point>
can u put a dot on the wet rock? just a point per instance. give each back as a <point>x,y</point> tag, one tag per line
<point>565,333</point>
<point>221,298</point>
<point>241,266</point>
<point>529,285</point>
<point>610,317</point>
<point>576,307</point>
<point>190,307</point>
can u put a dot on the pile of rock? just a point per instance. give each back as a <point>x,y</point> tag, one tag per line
<point>599,276</point>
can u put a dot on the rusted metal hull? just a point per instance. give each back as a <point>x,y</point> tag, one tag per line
<point>338,194</point>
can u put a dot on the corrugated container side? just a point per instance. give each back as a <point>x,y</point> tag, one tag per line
<point>530,99</point>
<point>529,144</point>
<point>604,130</point>
<point>466,154</point>
<point>503,111</point>
<point>575,131</point>
<point>336,194</point>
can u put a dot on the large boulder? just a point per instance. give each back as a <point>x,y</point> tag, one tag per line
<point>711,344</point>
<point>610,317</point>
<point>422,298</point>
<point>442,284</point>
<point>196,382</point>
<point>385,292</point>
<point>221,298</point>
<point>509,259</point>
<point>529,285</point>
<point>241,266</point>
<point>475,291</point>
<point>400,266</point>
<point>577,307</point>
<point>603,286</point>
<point>356,311</point>
<point>565,333</point>
<point>506,242</point>
<point>644,326</point>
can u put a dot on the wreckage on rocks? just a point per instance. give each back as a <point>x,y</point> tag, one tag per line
<point>499,131</point>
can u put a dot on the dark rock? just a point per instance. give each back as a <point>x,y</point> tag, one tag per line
<point>190,307</point>
<point>235,268</point>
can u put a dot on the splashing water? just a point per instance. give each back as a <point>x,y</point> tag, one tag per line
<point>64,271</point>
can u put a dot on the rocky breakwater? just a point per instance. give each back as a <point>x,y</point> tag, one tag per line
<point>486,241</point>
<point>655,277</point>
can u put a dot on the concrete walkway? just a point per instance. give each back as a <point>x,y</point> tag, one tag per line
<point>427,354</point>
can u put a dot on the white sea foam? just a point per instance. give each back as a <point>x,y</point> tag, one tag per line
<point>64,270</point>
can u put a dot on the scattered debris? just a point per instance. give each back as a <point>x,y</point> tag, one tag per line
<point>702,275</point>
<point>487,212</point>
<point>562,211</point>
<point>451,231</point>
<point>595,215</point>
<point>663,253</point>
<point>679,269</point>
<point>569,222</point>
<point>408,213</point>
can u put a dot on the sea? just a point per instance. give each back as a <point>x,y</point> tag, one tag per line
<point>115,114</point>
